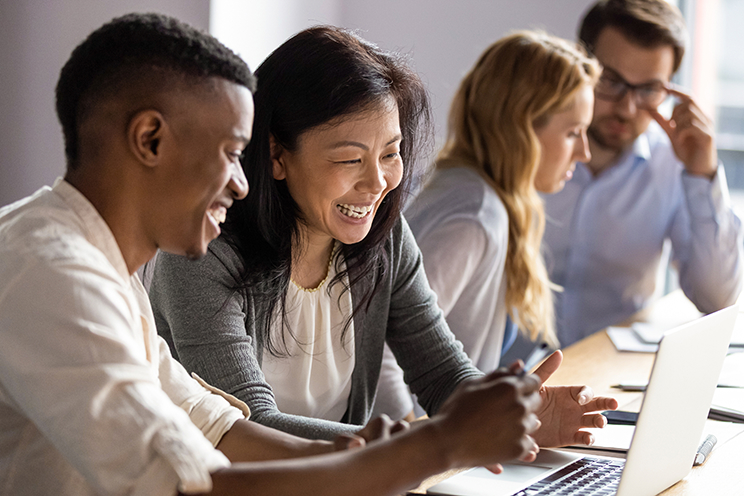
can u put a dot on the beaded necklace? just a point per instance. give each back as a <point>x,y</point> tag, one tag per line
<point>328,272</point>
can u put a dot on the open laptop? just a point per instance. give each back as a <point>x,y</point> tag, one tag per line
<point>668,431</point>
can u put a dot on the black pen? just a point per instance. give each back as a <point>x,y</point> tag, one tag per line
<point>630,387</point>
<point>704,450</point>
<point>642,387</point>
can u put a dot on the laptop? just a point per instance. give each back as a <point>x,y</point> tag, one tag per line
<point>667,434</point>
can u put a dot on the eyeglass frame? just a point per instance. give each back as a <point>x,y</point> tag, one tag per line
<point>629,87</point>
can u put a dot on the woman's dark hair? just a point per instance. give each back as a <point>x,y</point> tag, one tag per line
<point>317,77</point>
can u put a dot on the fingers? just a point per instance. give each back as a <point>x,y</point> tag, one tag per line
<point>526,384</point>
<point>399,426</point>
<point>549,366</point>
<point>381,428</point>
<point>593,421</point>
<point>517,367</point>
<point>601,403</point>
<point>688,114</point>
<point>348,441</point>
<point>583,395</point>
<point>495,468</point>
<point>531,450</point>
<point>665,124</point>
<point>532,399</point>
<point>490,420</point>
<point>499,373</point>
<point>532,423</point>
<point>583,438</point>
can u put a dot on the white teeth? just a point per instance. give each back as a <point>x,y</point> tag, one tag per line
<point>353,211</point>
<point>219,215</point>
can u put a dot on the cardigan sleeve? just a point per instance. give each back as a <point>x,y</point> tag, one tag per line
<point>433,361</point>
<point>211,328</point>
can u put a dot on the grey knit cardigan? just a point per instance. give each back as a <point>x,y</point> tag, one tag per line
<point>211,329</point>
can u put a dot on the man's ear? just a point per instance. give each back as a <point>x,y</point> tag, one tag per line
<point>144,136</point>
<point>277,161</point>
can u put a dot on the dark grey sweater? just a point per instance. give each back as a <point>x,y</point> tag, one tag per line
<point>211,329</point>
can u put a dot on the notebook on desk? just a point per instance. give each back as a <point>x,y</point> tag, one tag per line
<point>668,431</point>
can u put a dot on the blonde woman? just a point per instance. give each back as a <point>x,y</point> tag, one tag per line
<point>517,127</point>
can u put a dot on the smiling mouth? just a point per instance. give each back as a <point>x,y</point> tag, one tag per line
<point>353,211</point>
<point>217,214</point>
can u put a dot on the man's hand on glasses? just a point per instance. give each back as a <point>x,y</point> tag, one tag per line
<point>691,133</point>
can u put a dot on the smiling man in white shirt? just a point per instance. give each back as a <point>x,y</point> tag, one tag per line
<point>155,116</point>
<point>650,179</point>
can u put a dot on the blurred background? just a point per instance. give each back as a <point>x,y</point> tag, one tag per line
<point>442,37</point>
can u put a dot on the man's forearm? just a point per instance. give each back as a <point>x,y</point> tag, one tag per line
<point>248,441</point>
<point>382,468</point>
<point>486,421</point>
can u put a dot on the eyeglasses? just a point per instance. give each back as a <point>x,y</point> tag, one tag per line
<point>613,87</point>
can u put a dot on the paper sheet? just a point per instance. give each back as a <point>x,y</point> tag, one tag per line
<point>618,437</point>
<point>729,398</point>
<point>625,339</point>
<point>629,339</point>
<point>650,333</point>
<point>732,373</point>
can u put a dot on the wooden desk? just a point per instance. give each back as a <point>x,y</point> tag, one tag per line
<point>594,361</point>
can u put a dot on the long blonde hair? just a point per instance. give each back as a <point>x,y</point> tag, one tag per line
<point>516,85</point>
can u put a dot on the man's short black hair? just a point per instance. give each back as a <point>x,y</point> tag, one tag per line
<point>141,47</point>
<point>648,23</point>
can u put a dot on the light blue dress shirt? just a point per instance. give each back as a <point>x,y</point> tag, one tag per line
<point>604,237</point>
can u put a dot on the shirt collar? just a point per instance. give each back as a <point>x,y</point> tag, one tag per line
<point>96,230</point>
<point>639,152</point>
<point>642,148</point>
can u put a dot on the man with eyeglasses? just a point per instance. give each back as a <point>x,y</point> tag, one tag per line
<point>650,179</point>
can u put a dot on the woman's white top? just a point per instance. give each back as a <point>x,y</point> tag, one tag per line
<point>462,229</point>
<point>315,380</point>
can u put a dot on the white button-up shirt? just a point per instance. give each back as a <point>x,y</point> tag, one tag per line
<point>91,401</point>
<point>604,237</point>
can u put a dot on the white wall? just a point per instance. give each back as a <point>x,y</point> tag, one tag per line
<point>253,29</point>
<point>36,38</point>
<point>444,37</point>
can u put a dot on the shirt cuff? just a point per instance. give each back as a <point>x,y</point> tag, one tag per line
<point>706,198</point>
<point>215,411</point>
<point>190,457</point>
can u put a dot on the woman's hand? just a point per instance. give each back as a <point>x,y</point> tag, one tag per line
<point>566,410</point>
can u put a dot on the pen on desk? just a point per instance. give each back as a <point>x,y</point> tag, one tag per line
<point>639,388</point>
<point>704,450</point>
<point>630,387</point>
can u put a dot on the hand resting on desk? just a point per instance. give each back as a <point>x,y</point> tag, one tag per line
<point>565,410</point>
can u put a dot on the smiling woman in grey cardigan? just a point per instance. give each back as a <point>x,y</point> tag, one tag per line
<point>215,329</point>
<point>316,268</point>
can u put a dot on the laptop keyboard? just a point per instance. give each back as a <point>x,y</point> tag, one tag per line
<point>588,476</point>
